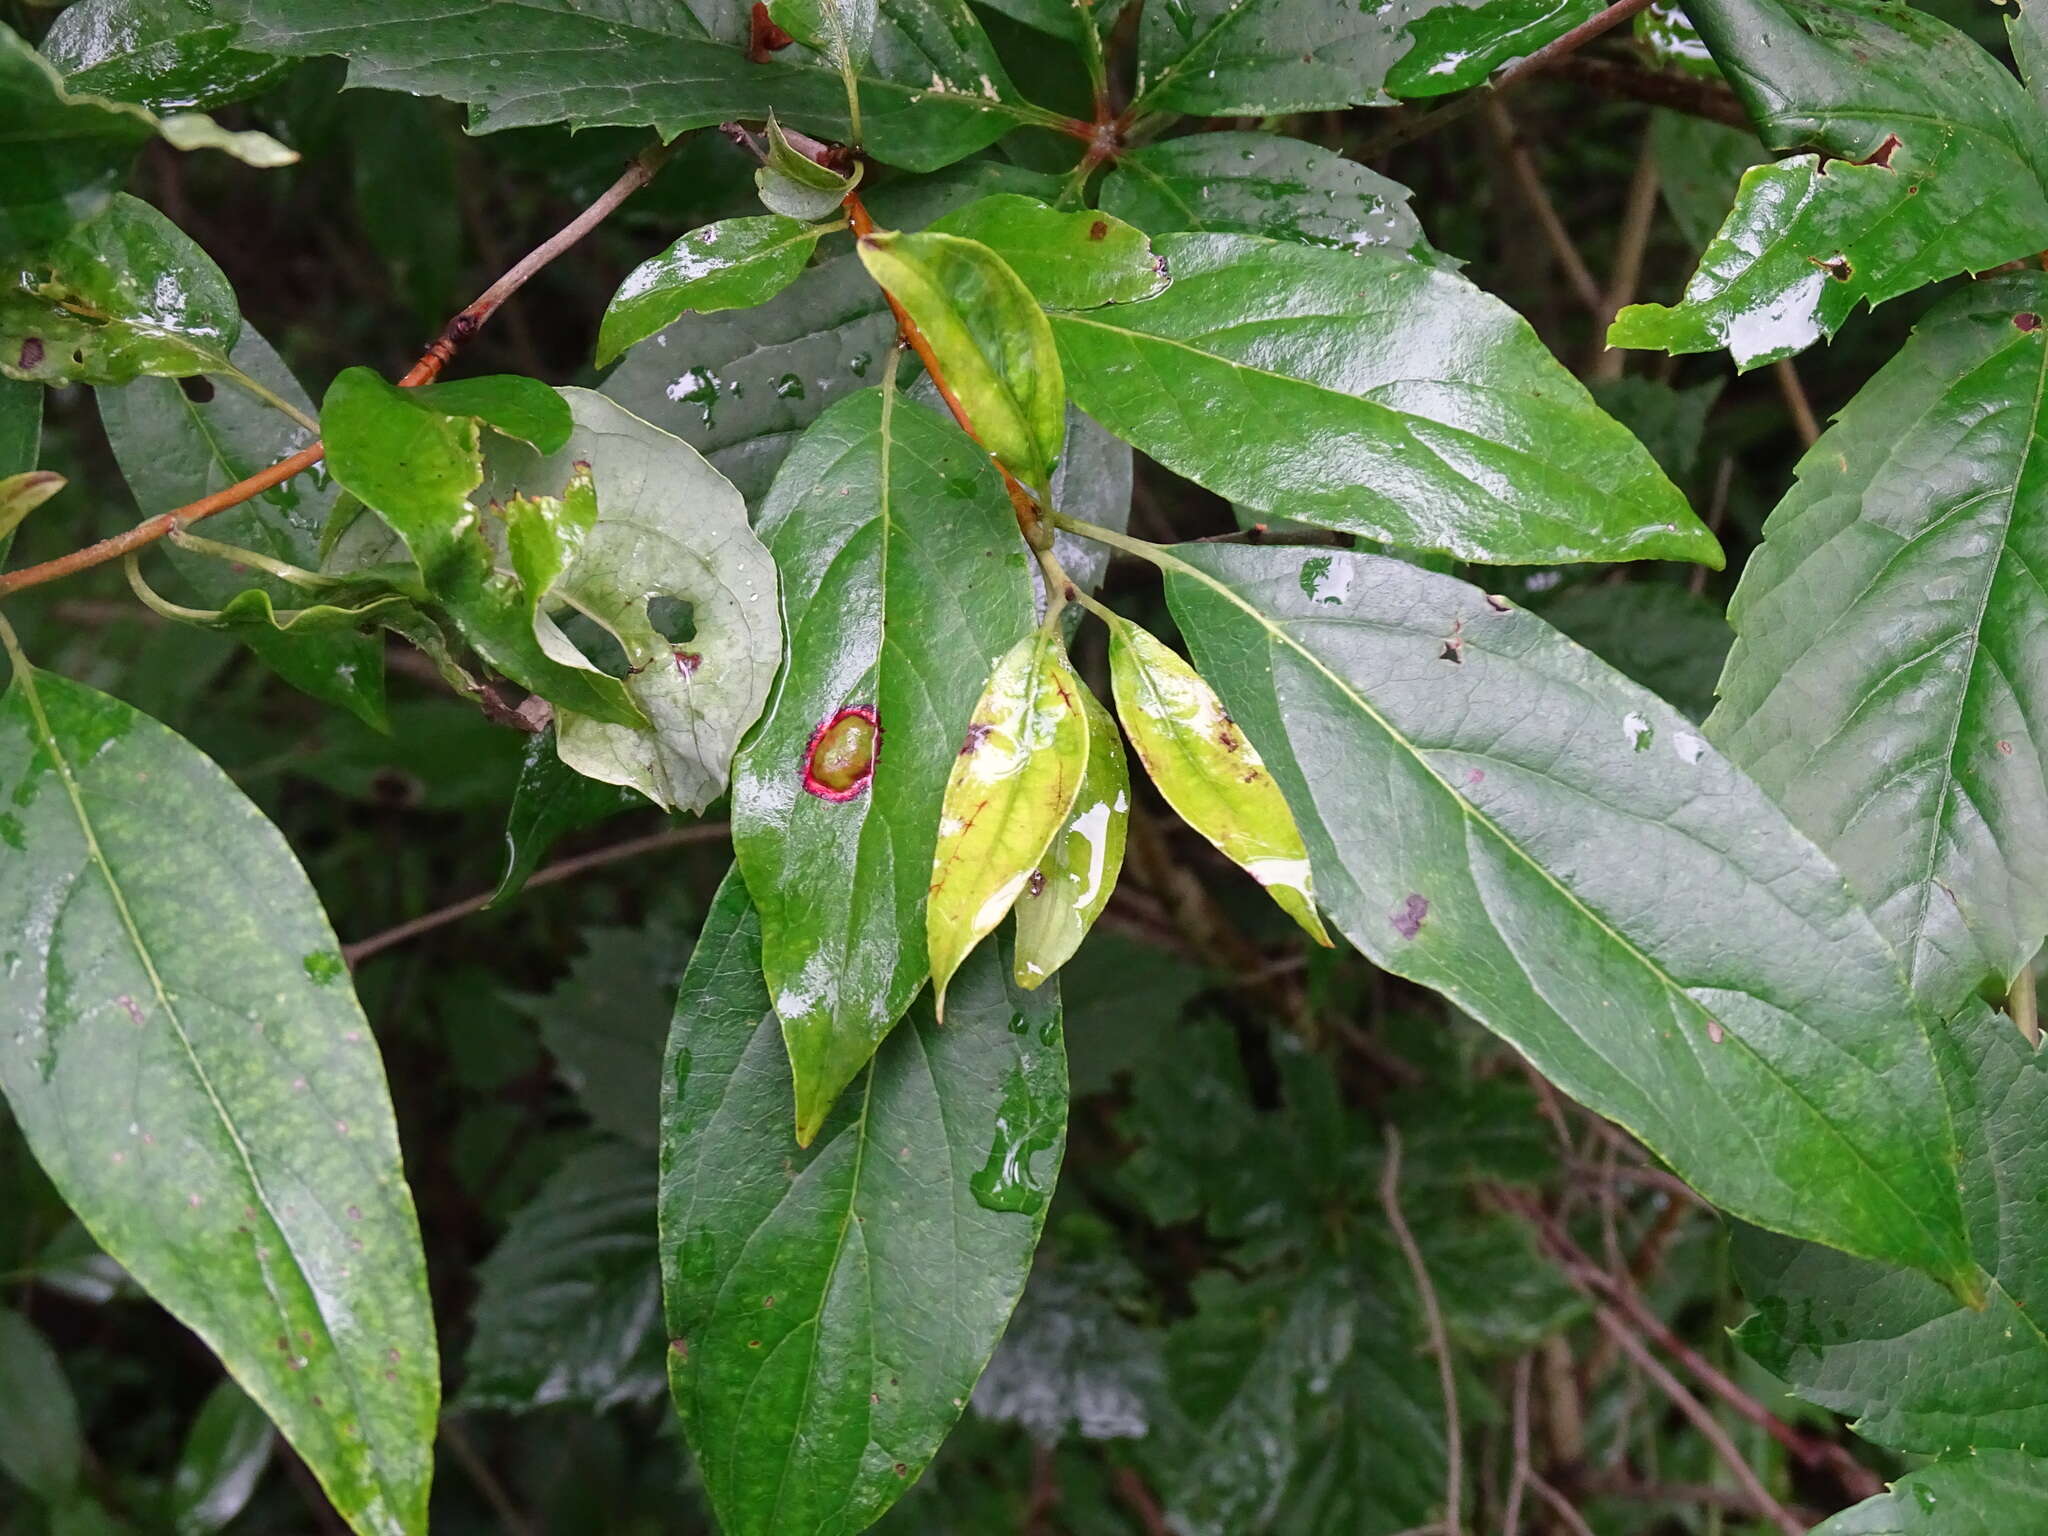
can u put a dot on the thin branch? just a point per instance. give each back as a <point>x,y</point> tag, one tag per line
<point>1131,1491</point>
<point>1638,214</point>
<point>510,1520</point>
<point>1803,420</point>
<point>1560,1506</point>
<point>1529,182</point>
<point>2022,1006</point>
<point>1518,1477</point>
<point>565,869</point>
<point>436,357</point>
<point>1668,88</point>
<point>1439,1337</point>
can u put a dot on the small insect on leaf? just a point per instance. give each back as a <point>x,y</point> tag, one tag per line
<point>1011,790</point>
<point>1072,883</point>
<point>1208,770</point>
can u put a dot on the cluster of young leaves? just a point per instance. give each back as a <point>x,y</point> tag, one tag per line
<point>812,594</point>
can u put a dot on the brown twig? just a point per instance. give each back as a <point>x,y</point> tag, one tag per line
<point>1804,421</point>
<point>1638,214</point>
<point>1528,181</point>
<point>1655,87</point>
<point>1518,1476</point>
<point>1560,1506</point>
<point>1135,1496</point>
<point>564,869</point>
<point>436,357</point>
<point>510,1519</point>
<point>1439,1336</point>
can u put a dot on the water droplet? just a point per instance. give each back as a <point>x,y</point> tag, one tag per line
<point>1021,1162</point>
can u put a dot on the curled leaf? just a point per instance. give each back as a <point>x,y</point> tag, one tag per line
<point>1072,883</point>
<point>791,183</point>
<point>1208,770</point>
<point>1011,790</point>
<point>733,264</point>
<point>21,494</point>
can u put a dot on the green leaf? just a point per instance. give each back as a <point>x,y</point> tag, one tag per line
<point>1887,635</point>
<point>733,264</point>
<point>898,598</point>
<point>173,449</point>
<point>1012,786</point>
<point>21,494</point>
<point>190,1066</point>
<point>791,183</point>
<point>1493,813</point>
<point>991,340</point>
<point>1076,260</point>
<point>669,528</point>
<point>1668,36</point>
<point>125,293</point>
<point>1264,184</point>
<point>225,1455</point>
<point>931,92</point>
<point>830,1309</point>
<point>1936,166</point>
<point>40,1444</point>
<point>568,1305</point>
<point>1988,1495</point>
<point>417,466</point>
<point>1365,392</point>
<point>551,801</point>
<point>842,30</point>
<point>167,55</point>
<point>1074,879</point>
<point>21,431</point>
<point>1655,633</point>
<point>518,407</point>
<point>1229,58</point>
<point>1699,169</point>
<point>70,150</point>
<point>1893,1350</point>
<point>1208,770</point>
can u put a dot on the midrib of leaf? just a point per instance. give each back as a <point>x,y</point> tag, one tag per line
<point>1188,210</point>
<point>1196,47</point>
<point>25,675</point>
<point>1164,558</point>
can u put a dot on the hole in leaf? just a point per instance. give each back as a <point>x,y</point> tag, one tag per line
<point>198,389</point>
<point>673,619</point>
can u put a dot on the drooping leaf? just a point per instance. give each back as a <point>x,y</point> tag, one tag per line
<point>1936,166</point>
<point>166,55</point>
<point>124,293</point>
<point>568,1304</point>
<point>733,264</point>
<point>1208,769</point>
<point>1365,392</point>
<point>417,465</point>
<point>1892,1350</point>
<point>829,1309</point>
<point>1225,58</point>
<point>1073,881</point>
<point>1012,787</point>
<point>670,529</point>
<point>173,449</point>
<point>1492,812</point>
<point>1264,184</point>
<point>69,150</point>
<point>40,1444</point>
<point>551,800</point>
<point>898,598</point>
<point>224,1456</point>
<point>931,92</point>
<point>990,338</point>
<point>1985,1495</point>
<point>1889,635</point>
<point>190,1066</point>
<point>1079,259</point>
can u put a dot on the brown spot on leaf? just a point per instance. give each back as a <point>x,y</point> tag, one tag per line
<point>680,1348</point>
<point>1498,603</point>
<point>1882,155</point>
<point>2027,320</point>
<point>1453,651</point>
<point>977,733</point>
<point>687,662</point>
<point>134,1013</point>
<point>31,352</point>
<point>840,761</point>
<point>1715,1032</point>
<point>1408,917</point>
<point>1037,882</point>
<point>2005,747</point>
<point>1836,267</point>
<point>1099,230</point>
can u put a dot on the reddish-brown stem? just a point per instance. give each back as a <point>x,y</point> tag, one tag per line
<point>444,346</point>
<point>1030,520</point>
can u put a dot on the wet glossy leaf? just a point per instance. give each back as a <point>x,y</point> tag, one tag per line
<point>568,1305</point>
<point>552,800</point>
<point>829,1309</point>
<point>1365,392</point>
<point>1890,641</point>
<point>1894,1351</point>
<point>1264,184</point>
<point>1011,789</point>
<point>72,149</point>
<point>417,466</point>
<point>898,597</point>
<point>124,293</point>
<point>1223,58</point>
<point>990,338</point>
<point>167,55</point>
<point>225,1455</point>
<point>1494,813</point>
<point>1936,166</point>
<point>1986,1495</point>
<point>1073,881</point>
<point>670,529</point>
<point>1208,770</point>
<point>190,1065</point>
<point>1074,260</point>
<point>733,264</point>
<point>174,449</point>
<point>842,30</point>
<point>40,1444</point>
<point>931,92</point>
